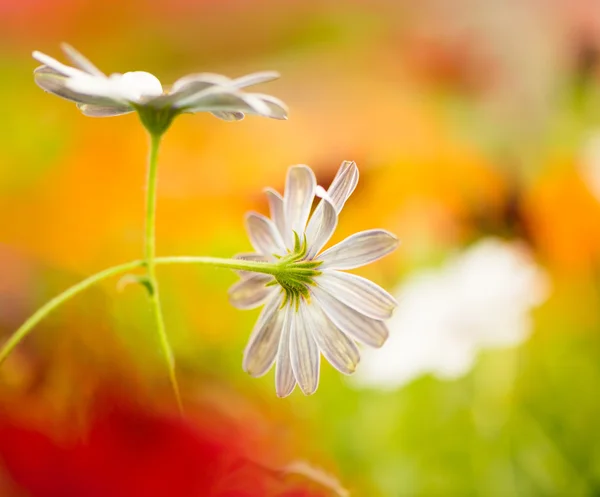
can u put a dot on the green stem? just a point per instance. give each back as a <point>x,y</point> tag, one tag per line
<point>149,256</point>
<point>52,304</point>
<point>48,307</point>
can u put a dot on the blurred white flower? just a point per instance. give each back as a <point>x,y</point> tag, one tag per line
<point>311,307</point>
<point>99,95</point>
<point>590,164</point>
<point>480,299</point>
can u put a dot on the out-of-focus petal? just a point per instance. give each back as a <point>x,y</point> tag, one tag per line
<point>262,347</point>
<point>255,79</point>
<point>300,188</point>
<point>359,293</point>
<point>194,83</point>
<point>229,116</point>
<point>223,99</point>
<point>104,110</point>
<point>304,352</point>
<point>263,235</point>
<point>284,375</point>
<point>53,82</point>
<point>359,249</point>
<point>337,348</point>
<point>59,67</point>
<point>250,292</point>
<point>80,61</point>
<point>277,109</point>
<point>129,87</point>
<point>365,330</point>
<point>141,84</point>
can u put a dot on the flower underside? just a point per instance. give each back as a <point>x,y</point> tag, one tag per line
<point>297,273</point>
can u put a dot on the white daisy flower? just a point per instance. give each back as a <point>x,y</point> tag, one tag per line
<point>311,307</point>
<point>99,95</point>
<point>480,299</point>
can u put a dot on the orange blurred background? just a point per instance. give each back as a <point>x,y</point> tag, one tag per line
<point>467,120</point>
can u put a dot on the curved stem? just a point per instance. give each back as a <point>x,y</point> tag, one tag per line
<point>48,307</point>
<point>52,304</point>
<point>149,257</point>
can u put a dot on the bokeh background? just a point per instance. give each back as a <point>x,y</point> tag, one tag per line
<point>475,125</point>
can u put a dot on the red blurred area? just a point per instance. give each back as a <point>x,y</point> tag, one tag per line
<point>130,451</point>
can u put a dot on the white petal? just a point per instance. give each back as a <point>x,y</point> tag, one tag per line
<point>359,293</point>
<point>229,116</point>
<point>357,326</point>
<point>141,84</point>
<point>321,233</point>
<point>108,88</point>
<point>194,83</point>
<point>250,256</point>
<point>255,79</point>
<point>284,376</point>
<point>300,188</point>
<point>277,109</point>
<point>341,188</point>
<point>129,87</point>
<point>276,208</point>
<point>337,348</point>
<point>223,99</point>
<point>250,292</point>
<point>54,82</point>
<point>264,235</point>
<point>260,352</point>
<point>80,61</point>
<point>343,184</point>
<point>359,249</point>
<point>104,110</point>
<point>304,352</point>
<point>56,65</point>
<point>219,94</point>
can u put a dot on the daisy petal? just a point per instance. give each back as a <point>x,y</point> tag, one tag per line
<point>107,88</point>
<point>359,293</point>
<point>284,375</point>
<point>264,340</point>
<point>343,184</point>
<point>255,79</point>
<point>341,188</point>
<point>277,109</point>
<point>104,110</point>
<point>337,348</point>
<point>357,326</point>
<point>194,83</point>
<point>140,84</point>
<point>300,188</point>
<point>276,209</point>
<point>263,235</point>
<point>53,82</point>
<point>80,61</point>
<point>359,249</point>
<point>229,116</point>
<point>250,292</point>
<point>223,99</point>
<point>304,352</point>
<point>59,67</point>
<point>327,222</point>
